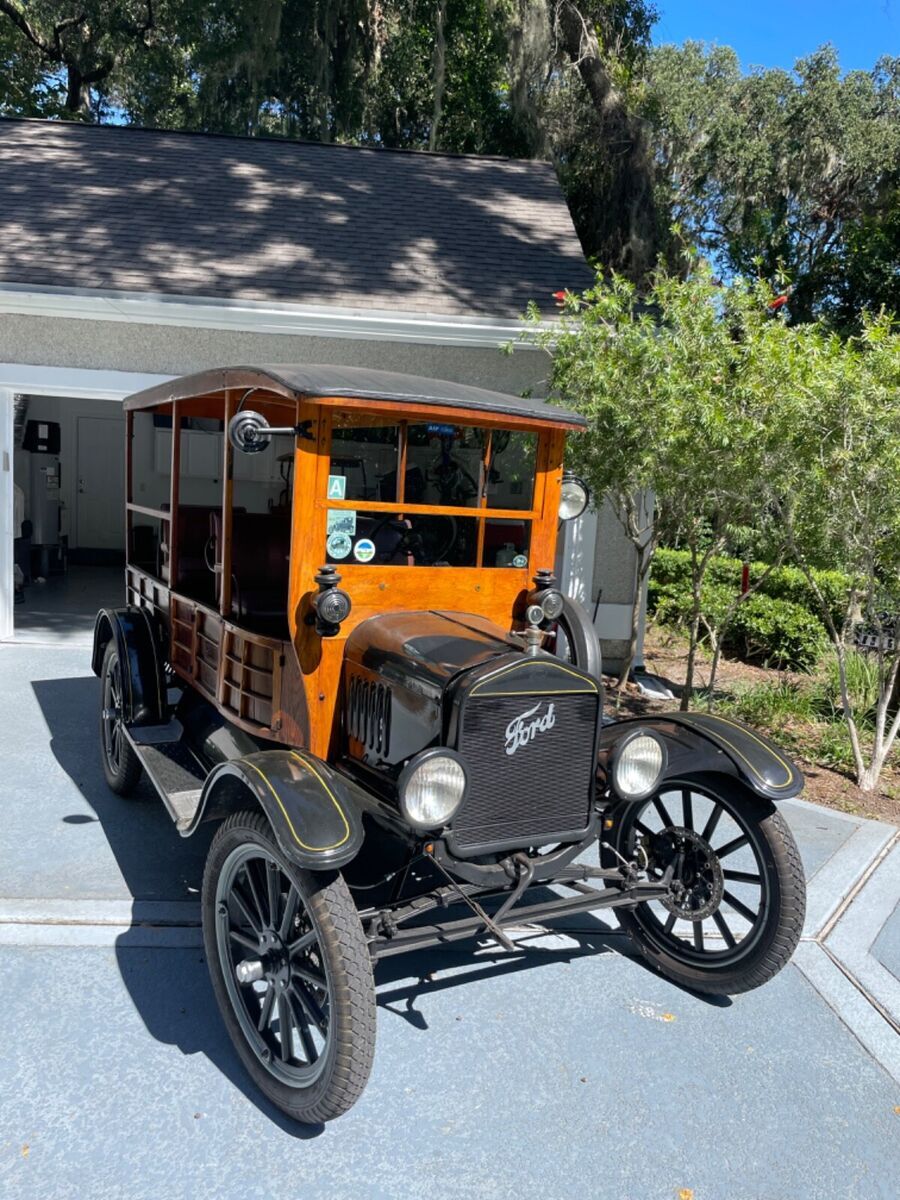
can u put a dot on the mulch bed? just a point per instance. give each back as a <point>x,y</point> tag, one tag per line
<point>665,655</point>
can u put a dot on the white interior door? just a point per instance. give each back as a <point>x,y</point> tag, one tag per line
<point>100,483</point>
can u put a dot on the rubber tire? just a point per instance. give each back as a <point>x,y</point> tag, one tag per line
<point>784,922</point>
<point>351,1041</point>
<point>125,779</point>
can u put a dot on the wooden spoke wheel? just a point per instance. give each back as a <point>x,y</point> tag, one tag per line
<point>291,972</point>
<point>121,765</point>
<point>737,904</point>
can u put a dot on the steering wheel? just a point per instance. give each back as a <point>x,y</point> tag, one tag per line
<point>454,482</point>
<point>411,541</point>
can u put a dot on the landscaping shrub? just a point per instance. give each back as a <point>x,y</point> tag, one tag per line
<point>673,567</point>
<point>778,625</point>
<point>775,633</point>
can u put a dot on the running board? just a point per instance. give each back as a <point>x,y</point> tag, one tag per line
<point>172,768</point>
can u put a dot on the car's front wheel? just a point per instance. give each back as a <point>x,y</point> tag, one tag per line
<point>291,972</point>
<point>739,894</point>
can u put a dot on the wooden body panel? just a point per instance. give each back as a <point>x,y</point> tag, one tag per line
<point>289,690</point>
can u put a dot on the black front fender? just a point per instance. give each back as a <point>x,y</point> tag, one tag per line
<point>137,641</point>
<point>704,743</point>
<point>313,812</point>
<point>579,629</point>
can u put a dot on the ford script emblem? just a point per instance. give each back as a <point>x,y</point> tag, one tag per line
<point>527,725</point>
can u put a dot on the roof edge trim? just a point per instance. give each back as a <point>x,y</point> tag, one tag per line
<point>262,316</point>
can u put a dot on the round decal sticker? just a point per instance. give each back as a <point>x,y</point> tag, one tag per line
<point>364,550</point>
<point>520,560</point>
<point>339,545</point>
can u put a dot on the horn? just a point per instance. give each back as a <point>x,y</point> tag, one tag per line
<point>249,431</point>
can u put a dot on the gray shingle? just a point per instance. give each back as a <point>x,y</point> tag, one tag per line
<point>239,218</point>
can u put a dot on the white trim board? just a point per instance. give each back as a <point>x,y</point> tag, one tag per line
<point>77,382</point>
<point>255,316</point>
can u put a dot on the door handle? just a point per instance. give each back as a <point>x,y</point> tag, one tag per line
<point>81,485</point>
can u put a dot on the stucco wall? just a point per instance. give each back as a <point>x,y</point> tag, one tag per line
<point>171,350</point>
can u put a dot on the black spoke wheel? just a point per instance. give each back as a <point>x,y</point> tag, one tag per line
<point>735,911</point>
<point>121,765</point>
<point>290,970</point>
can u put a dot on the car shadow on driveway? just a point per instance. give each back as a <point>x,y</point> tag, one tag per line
<point>155,863</point>
<point>164,970</point>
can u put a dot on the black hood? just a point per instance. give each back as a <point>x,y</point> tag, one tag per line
<point>428,649</point>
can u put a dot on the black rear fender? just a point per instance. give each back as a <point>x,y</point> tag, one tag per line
<point>707,744</point>
<point>314,813</point>
<point>138,641</point>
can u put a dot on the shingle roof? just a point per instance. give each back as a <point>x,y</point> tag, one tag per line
<point>137,210</point>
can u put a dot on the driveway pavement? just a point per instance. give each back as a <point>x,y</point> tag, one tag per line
<point>566,1068</point>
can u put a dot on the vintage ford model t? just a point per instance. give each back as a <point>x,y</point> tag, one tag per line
<point>343,640</point>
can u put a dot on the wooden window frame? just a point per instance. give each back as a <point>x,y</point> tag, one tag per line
<point>482,512</point>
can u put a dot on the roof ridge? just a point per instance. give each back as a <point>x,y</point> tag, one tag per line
<point>269,139</point>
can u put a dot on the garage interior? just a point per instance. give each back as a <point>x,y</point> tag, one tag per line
<point>69,531</point>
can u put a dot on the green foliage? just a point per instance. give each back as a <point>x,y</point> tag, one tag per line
<point>768,705</point>
<point>776,633</point>
<point>832,746</point>
<point>781,583</point>
<point>862,682</point>
<point>763,630</point>
<point>790,174</point>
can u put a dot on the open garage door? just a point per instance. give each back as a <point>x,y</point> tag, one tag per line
<point>69,468</point>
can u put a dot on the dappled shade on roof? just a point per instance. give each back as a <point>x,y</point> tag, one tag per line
<point>197,215</point>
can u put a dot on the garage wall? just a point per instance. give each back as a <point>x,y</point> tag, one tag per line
<point>170,350</point>
<point>66,411</point>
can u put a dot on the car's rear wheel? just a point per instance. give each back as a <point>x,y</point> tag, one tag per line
<point>739,899</point>
<point>291,972</point>
<point>121,765</point>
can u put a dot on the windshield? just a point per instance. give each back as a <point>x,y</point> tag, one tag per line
<point>429,493</point>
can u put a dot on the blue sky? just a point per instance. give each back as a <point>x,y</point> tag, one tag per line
<point>774,33</point>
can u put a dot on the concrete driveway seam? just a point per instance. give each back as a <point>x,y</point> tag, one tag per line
<point>832,887</point>
<point>851,938</point>
<point>851,1005</point>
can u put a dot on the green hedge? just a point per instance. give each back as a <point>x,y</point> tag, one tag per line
<point>783,583</point>
<point>776,626</point>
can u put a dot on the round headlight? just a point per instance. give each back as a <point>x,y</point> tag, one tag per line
<point>552,604</point>
<point>431,789</point>
<point>638,763</point>
<point>333,606</point>
<point>573,498</point>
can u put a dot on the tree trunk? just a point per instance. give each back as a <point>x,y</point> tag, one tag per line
<point>691,658</point>
<point>626,133</point>
<point>78,93</point>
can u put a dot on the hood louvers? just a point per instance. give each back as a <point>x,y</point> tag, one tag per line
<point>369,714</point>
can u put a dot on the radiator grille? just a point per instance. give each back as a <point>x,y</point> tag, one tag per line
<point>543,788</point>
